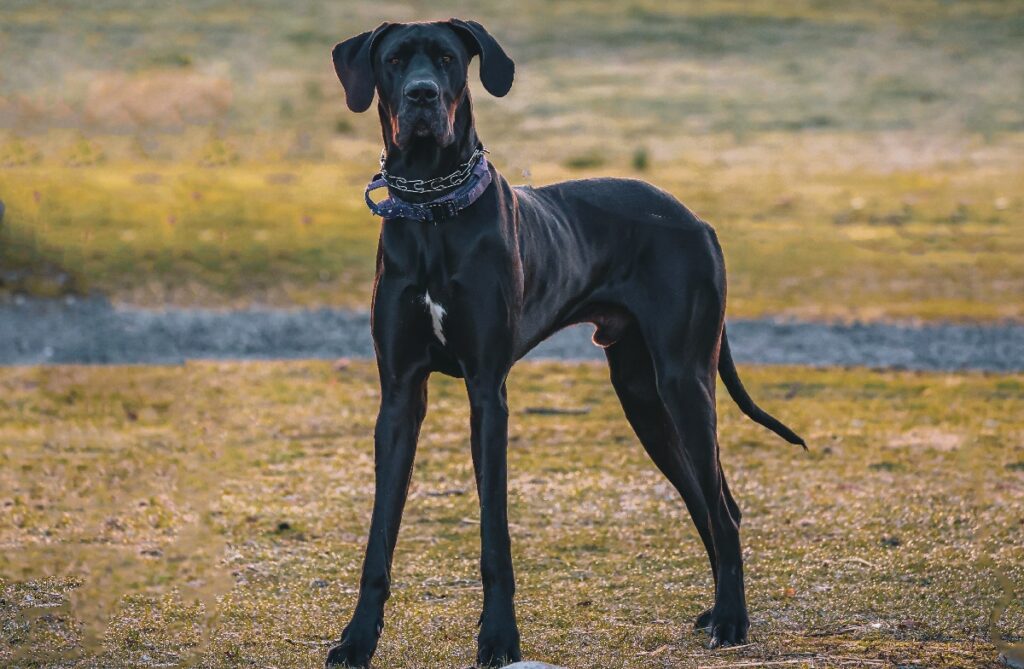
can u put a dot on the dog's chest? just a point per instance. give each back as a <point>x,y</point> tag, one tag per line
<point>447,278</point>
<point>434,279</point>
<point>430,268</point>
<point>436,311</point>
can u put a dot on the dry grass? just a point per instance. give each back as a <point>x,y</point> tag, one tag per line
<point>861,160</point>
<point>233,499</point>
<point>599,70</point>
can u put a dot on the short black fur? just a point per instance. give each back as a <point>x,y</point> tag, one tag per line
<point>510,270</point>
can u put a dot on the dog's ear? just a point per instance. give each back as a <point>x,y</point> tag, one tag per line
<point>496,69</point>
<point>354,65</point>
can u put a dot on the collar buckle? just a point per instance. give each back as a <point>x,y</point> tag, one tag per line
<point>442,210</point>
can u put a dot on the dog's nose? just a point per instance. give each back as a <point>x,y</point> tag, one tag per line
<point>421,91</point>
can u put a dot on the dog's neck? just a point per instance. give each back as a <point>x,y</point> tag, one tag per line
<point>423,158</point>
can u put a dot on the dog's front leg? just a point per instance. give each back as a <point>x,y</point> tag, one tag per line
<point>403,405</point>
<point>498,641</point>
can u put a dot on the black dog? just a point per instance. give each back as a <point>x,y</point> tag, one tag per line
<point>472,273</point>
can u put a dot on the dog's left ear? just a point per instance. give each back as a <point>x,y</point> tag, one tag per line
<point>354,65</point>
<point>496,69</point>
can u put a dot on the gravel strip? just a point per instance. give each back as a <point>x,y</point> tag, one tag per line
<point>93,332</point>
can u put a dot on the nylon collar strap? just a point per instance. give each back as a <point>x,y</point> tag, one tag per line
<point>440,209</point>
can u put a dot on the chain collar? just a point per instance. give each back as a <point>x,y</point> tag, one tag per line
<point>435,185</point>
<point>441,207</point>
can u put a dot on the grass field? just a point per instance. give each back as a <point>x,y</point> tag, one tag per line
<point>214,514</point>
<point>860,160</point>
<point>942,243</point>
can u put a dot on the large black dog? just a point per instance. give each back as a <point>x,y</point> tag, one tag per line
<point>472,273</point>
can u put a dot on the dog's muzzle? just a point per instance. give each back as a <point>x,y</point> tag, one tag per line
<point>422,113</point>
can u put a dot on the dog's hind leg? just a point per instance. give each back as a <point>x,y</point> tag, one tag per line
<point>704,619</point>
<point>734,508</point>
<point>633,378</point>
<point>690,401</point>
<point>684,354</point>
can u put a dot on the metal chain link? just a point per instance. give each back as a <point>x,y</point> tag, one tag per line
<point>434,185</point>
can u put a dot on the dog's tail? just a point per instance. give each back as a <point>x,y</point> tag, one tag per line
<point>731,379</point>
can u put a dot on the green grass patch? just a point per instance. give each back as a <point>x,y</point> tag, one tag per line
<point>930,244</point>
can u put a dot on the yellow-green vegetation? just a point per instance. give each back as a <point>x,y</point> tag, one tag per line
<point>860,160</point>
<point>290,235</point>
<point>216,513</point>
<point>824,243</point>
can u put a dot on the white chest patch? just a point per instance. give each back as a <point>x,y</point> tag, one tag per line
<point>436,316</point>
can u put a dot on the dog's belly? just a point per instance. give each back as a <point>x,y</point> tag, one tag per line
<point>611,252</point>
<point>576,270</point>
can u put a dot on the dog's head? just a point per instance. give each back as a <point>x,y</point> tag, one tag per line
<point>419,71</point>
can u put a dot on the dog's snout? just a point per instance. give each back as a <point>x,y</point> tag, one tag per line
<point>422,91</point>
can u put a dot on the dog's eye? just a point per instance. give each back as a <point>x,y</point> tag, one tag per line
<point>394,60</point>
<point>446,59</point>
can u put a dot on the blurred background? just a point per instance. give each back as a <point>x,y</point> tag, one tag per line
<point>182,181</point>
<point>201,153</point>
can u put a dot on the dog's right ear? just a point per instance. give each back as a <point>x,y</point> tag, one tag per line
<point>354,65</point>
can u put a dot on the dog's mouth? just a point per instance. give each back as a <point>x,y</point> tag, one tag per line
<point>422,123</point>
<point>421,128</point>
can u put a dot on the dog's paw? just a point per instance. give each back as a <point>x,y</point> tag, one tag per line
<point>703,621</point>
<point>728,628</point>
<point>498,647</point>
<point>353,651</point>
<point>347,656</point>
